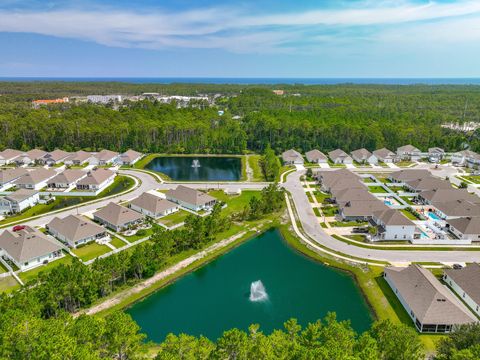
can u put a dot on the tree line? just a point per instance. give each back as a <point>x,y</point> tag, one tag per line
<point>323,117</point>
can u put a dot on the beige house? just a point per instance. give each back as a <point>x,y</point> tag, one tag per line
<point>103,157</point>
<point>153,206</point>
<point>409,152</point>
<point>292,157</point>
<point>117,217</point>
<point>30,157</point>
<point>75,230</point>
<point>78,158</point>
<point>386,156</point>
<point>18,201</point>
<point>339,156</point>
<point>96,180</point>
<point>8,176</point>
<point>363,156</point>
<point>66,179</point>
<point>35,179</point>
<point>55,157</point>
<point>129,157</point>
<point>8,156</point>
<point>316,156</point>
<point>28,248</point>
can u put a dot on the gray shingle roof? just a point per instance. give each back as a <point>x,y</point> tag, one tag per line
<point>431,302</point>
<point>153,203</point>
<point>75,228</point>
<point>68,176</point>
<point>338,153</point>
<point>27,244</point>
<point>384,153</point>
<point>409,174</point>
<point>96,177</point>
<point>315,155</point>
<point>466,225</point>
<point>190,196</point>
<point>130,155</point>
<point>407,149</point>
<point>36,176</point>
<point>117,214</point>
<point>361,154</point>
<point>458,208</point>
<point>20,195</point>
<point>8,175</point>
<point>393,217</point>
<point>291,155</point>
<point>468,278</point>
<point>10,154</point>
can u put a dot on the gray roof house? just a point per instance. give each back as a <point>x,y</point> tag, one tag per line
<point>316,156</point>
<point>363,156</point>
<point>455,209</point>
<point>384,155</point>
<point>153,206</point>
<point>408,174</point>
<point>191,198</point>
<point>55,157</point>
<point>409,152</point>
<point>463,157</point>
<point>117,217</point>
<point>391,224</point>
<point>129,157</point>
<point>465,228</point>
<point>103,157</point>
<point>7,176</point>
<point>430,305</point>
<point>8,156</point>
<point>18,201</point>
<point>446,195</point>
<point>75,230</point>
<point>292,157</point>
<point>35,179</point>
<point>30,157</point>
<point>361,210</point>
<point>96,180</point>
<point>28,247</point>
<point>66,179</point>
<point>427,183</point>
<point>435,154</point>
<point>77,158</point>
<point>339,156</point>
<point>466,283</point>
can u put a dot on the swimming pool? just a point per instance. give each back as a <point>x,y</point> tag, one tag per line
<point>433,216</point>
<point>387,202</point>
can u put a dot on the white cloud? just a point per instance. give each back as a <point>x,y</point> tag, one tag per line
<point>237,31</point>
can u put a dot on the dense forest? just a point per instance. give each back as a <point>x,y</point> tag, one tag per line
<point>325,117</point>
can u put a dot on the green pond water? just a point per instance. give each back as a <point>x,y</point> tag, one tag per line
<point>218,296</point>
<point>188,168</point>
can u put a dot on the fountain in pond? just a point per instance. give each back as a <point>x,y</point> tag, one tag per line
<point>258,292</point>
<point>196,163</point>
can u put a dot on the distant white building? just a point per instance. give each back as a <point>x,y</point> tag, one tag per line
<point>104,99</point>
<point>18,201</point>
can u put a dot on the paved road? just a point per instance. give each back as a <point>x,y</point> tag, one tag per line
<point>313,229</point>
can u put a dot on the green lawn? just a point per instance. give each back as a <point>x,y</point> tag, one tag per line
<point>473,178</point>
<point>121,183</point>
<point>317,211</point>
<point>330,162</point>
<point>235,203</point>
<point>320,196</point>
<point>408,214</point>
<point>117,242</point>
<point>396,188</point>
<point>357,237</point>
<point>330,210</point>
<point>367,180</point>
<point>404,163</point>
<point>91,251</point>
<point>3,269</point>
<point>31,274</point>
<point>377,189</point>
<point>407,199</point>
<point>175,218</point>
<point>254,162</point>
<point>309,196</point>
<point>8,284</point>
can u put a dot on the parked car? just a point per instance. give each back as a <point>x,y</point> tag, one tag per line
<point>360,230</point>
<point>457,266</point>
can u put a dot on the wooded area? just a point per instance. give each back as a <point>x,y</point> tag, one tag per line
<point>324,117</point>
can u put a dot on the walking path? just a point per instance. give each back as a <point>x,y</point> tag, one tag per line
<point>117,299</point>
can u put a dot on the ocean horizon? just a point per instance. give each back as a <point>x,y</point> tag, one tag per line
<point>254,80</point>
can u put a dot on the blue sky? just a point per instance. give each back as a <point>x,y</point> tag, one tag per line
<point>212,38</point>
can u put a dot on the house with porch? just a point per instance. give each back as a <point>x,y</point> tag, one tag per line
<point>435,154</point>
<point>28,247</point>
<point>77,158</point>
<point>117,217</point>
<point>465,228</point>
<point>363,156</point>
<point>153,206</point>
<point>66,179</point>
<point>386,156</point>
<point>55,157</point>
<point>292,157</point>
<point>316,156</point>
<point>30,157</point>
<point>191,199</point>
<point>409,153</point>
<point>36,179</point>
<point>18,201</point>
<point>129,157</point>
<point>391,224</point>
<point>103,157</point>
<point>8,176</point>
<point>8,156</point>
<point>430,305</point>
<point>96,180</point>
<point>339,156</point>
<point>75,230</point>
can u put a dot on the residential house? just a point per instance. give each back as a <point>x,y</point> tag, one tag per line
<point>409,152</point>
<point>103,157</point>
<point>466,284</point>
<point>316,156</point>
<point>117,217</point>
<point>339,156</point>
<point>36,179</point>
<point>129,157</point>
<point>435,154</point>
<point>456,209</point>
<point>430,305</point>
<point>8,176</point>
<point>402,176</point>
<point>55,157</point>
<point>30,157</point>
<point>96,180</point>
<point>292,157</point>
<point>427,183</point>
<point>465,228</point>
<point>66,179</point>
<point>8,156</point>
<point>464,157</point>
<point>28,247</point>
<point>362,210</point>
<point>363,156</point>
<point>428,197</point>
<point>18,201</point>
<point>386,156</point>
<point>191,199</point>
<point>75,230</point>
<point>153,206</point>
<point>391,224</point>
<point>342,196</point>
<point>78,158</point>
